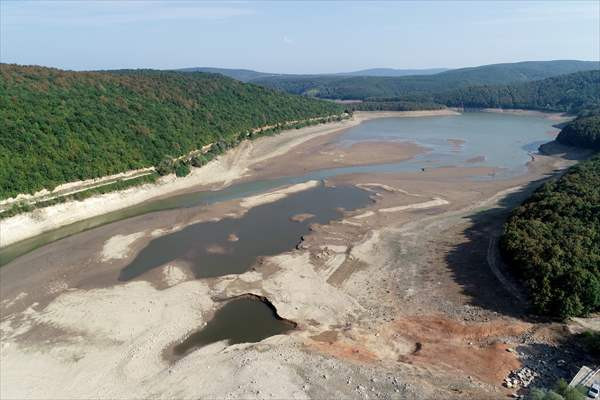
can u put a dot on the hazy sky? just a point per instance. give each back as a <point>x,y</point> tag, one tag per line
<point>295,37</point>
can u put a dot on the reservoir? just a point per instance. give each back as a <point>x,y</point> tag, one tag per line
<point>469,139</point>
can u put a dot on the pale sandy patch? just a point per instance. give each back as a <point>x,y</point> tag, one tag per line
<point>366,214</point>
<point>427,204</point>
<point>159,232</point>
<point>589,323</point>
<point>302,293</point>
<point>174,275</point>
<point>57,286</point>
<point>367,186</point>
<point>271,197</point>
<point>348,222</point>
<point>387,188</point>
<point>123,329</point>
<point>364,251</point>
<point>117,247</point>
<point>301,217</point>
<point>11,302</point>
<point>558,117</point>
<point>335,248</point>
<point>215,248</point>
<point>233,237</point>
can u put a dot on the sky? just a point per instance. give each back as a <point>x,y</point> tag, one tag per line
<point>295,37</point>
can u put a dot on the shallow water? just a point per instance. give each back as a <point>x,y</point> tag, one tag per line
<point>503,140</point>
<point>242,320</point>
<point>208,249</point>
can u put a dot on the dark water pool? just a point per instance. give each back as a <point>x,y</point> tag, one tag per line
<point>263,231</point>
<point>247,319</point>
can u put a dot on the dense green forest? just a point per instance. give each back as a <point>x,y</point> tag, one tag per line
<point>59,126</point>
<point>365,87</point>
<point>582,132</point>
<point>552,242</point>
<point>570,93</point>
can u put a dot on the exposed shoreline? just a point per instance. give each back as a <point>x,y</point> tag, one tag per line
<point>356,311</point>
<point>378,292</point>
<point>554,116</point>
<point>222,172</point>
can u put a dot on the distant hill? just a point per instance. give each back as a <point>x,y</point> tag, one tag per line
<point>393,72</point>
<point>60,126</point>
<point>572,93</point>
<point>244,75</point>
<point>364,87</point>
<point>248,75</point>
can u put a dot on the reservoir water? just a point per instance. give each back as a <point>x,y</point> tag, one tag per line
<point>471,139</point>
<point>209,251</point>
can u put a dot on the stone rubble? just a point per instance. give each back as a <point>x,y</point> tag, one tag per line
<point>520,378</point>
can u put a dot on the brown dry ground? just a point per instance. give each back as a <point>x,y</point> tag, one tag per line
<point>388,304</point>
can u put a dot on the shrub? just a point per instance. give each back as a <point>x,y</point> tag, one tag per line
<point>182,168</point>
<point>166,166</point>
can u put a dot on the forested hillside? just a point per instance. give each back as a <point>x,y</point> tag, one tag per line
<point>58,126</point>
<point>582,132</point>
<point>570,93</point>
<point>552,242</point>
<point>364,87</point>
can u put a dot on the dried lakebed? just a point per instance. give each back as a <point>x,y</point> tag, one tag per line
<point>368,287</point>
<point>493,145</point>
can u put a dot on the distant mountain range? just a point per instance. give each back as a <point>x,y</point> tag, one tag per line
<point>394,83</point>
<point>574,93</point>
<point>248,75</point>
<point>366,87</point>
<point>244,75</point>
<point>394,72</point>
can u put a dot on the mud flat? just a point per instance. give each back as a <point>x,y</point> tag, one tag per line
<point>558,117</point>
